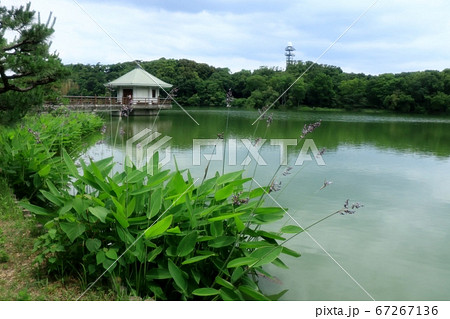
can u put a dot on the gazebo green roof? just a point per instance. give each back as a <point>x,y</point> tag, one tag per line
<point>139,77</point>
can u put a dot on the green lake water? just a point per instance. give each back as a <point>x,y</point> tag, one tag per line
<point>396,247</point>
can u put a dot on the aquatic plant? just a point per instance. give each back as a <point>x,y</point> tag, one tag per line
<point>162,235</point>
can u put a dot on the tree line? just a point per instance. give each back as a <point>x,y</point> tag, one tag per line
<point>30,74</point>
<point>325,86</point>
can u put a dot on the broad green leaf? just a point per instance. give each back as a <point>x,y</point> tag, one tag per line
<point>135,177</point>
<point>277,296</point>
<point>99,212</point>
<point>52,233</point>
<point>44,171</point>
<point>158,178</point>
<point>158,273</point>
<point>291,229</point>
<point>100,257</point>
<point>225,216</point>
<point>258,192</point>
<point>121,218</point>
<point>35,209</point>
<point>139,250</point>
<point>107,263</point>
<point>277,262</point>
<point>205,292</point>
<point>155,203</point>
<point>177,275</point>
<point>242,261</point>
<point>96,171</point>
<point>72,230</point>
<point>177,185</point>
<point>226,178</point>
<point>141,190</point>
<point>269,210</point>
<point>174,230</point>
<point>187,244</point>
<point>79,205</point>
<point>142,220</point>
<point>159,228</point>
<point>207,186</point>
<point>111,254</point>
<point>216,228</point>
<point>124,235</point>
<point>67,207</point>
<point>157,291</point>
<point>221,241</point>
<point>196,275</point>
<point>196,259</point>
<point>224,283</point>
<point>229,295</point>
<point>70,164</point>
<point>267,218</point>
<point>252,294</point>
<point>290,252</point>
<point>266,234</point>
<point>266,255</point>
<point>93,244</point>
<point>154,253</point>
<point>237,273</point>
<point>239,224</point>
<point>255,244</point>
<point>52,188</point>
<point>224,192</point>
<point>119,206</point>
<point>192,216</point>
<point>246,207</point>
<point>204,238</point>
<point>105,165</point>
<point>131,206</point>
<point>209,210</point>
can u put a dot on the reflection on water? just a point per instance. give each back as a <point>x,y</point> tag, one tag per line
<point>396,247</point>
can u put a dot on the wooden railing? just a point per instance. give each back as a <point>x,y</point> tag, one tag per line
<point>105,100</point>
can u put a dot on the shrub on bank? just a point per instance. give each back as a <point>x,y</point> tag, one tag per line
<point>31,150</point>
<point>161,235</point>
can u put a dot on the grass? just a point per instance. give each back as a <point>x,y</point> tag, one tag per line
<point>20,279</point>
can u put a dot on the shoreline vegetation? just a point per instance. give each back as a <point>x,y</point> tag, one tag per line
<point>179,240</point>
<point>322,87</point>
<point>40,137</point>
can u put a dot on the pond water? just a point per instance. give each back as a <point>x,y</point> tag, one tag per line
<point>396,247</point>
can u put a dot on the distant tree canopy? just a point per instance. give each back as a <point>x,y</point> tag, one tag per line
<point>26,66</point>
<point>322,86</point>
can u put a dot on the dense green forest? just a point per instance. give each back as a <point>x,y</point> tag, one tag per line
<point>327,86</point>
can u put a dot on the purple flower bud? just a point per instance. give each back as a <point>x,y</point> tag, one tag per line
<point>309,128</point>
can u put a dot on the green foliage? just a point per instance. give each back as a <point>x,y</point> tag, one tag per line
<point>399,101</point>
<point>4,257</point>
<point>25,61</point>
<point>161,235</point>
<point>322,86</point>
<point>31,151</point>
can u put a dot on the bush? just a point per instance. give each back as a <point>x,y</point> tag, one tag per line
<point>160,235</point>
<point>31,151</point>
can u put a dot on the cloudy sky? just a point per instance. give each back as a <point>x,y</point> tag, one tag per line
<point>393,36</point>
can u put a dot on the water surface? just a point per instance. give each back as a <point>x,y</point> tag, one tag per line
<point>396,247</point>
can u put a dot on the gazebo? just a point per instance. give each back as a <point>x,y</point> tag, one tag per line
<point>138,87</point>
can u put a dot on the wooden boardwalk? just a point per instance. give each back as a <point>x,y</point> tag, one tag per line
<point>139,106</point>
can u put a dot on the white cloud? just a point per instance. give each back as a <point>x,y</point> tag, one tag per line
<point>392,35</point>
